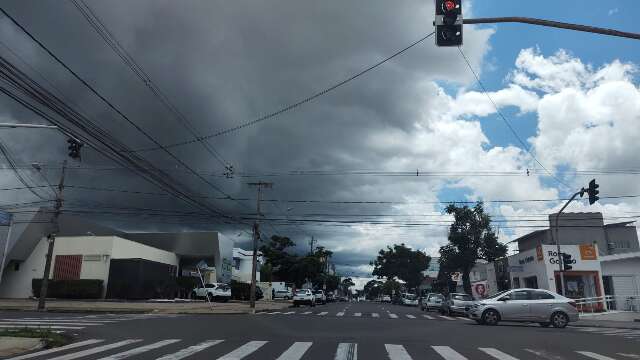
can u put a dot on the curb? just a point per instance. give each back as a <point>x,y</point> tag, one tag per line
<point>631,326</point>
<point>136,311</point>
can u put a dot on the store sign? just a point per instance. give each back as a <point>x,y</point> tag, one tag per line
<point>527,260</point>
<point>553,258</point>
<point>539,253</point>
<point>516,269</point>
<point>588,252</point>
<point>455,276</point>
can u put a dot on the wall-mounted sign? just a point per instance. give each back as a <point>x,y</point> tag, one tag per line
<point>539,253</point>
<point>515,269</point>
<point>588,252</point>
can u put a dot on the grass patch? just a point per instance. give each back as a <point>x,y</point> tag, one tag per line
<point>50,338</point>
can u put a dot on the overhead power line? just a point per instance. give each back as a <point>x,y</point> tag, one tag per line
<point>296,104</point>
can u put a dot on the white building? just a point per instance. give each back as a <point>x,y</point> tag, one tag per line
<point>621,278</point>
<point>243,264</point>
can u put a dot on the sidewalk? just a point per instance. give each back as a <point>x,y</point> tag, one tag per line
<point>10,346</point>
<point>619,320</point>
<point>172,307</point>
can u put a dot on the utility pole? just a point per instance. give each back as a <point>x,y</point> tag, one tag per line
<point>256,236</point>
<point>311,243</point>
<point>52,238</point>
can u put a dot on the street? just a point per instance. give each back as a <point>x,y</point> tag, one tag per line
<point>333,331</point>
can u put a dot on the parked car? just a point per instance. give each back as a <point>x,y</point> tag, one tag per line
<point>283,294</point>
<point>321,298</point>
<point>409,300</point>
<point>304,297</point>
<point>386,299</point>
<point>214,292</point>
<point>456,303</point>
<point>331,297</point>
<point>432,301</point>
<point>525,305</point>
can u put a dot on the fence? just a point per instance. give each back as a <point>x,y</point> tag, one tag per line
<point>608,303</point>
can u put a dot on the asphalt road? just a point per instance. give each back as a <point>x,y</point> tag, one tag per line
<point>334,331</point>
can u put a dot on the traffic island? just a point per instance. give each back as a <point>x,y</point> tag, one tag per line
<point>18,341</point>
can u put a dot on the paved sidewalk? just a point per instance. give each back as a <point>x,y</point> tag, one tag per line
<point>10,346</point>
<point>231,307</point>
<point>621,320</point>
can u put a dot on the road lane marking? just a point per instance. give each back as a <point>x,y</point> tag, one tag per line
<point>140,350</point>
<point>47,323</point>
<point>41,327</point>
<point>322,313</point>
<point>307,312</point>
<point>448,353</point>
<point>428,317</point>
<point>397,352</point>
<point>190,350</point>
<point>346,351</point>
<point>243,351</point>
<point>495,353</point>
<point>410,316</point>
<point>630,356</point>
<point>463,318</point>
<point>545,354</point>
<point>289,313</point>
<point>59,320</point>
<point>341,313</point>
<point>594,355</point>
<point>295,351</point>
<point>54,350</point>
<point>375,315</point>
<point>96,350</point>
<point>446,317</point>
<point>393,316</point>
<point>357,314</point>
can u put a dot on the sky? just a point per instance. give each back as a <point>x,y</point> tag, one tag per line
<point>571,99</point>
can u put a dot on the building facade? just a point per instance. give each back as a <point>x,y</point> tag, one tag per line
<point>243,264</point>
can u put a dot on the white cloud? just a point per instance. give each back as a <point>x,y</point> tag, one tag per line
<point>613,11</point>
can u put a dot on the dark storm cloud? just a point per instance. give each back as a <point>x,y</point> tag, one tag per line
<point>226,62</point>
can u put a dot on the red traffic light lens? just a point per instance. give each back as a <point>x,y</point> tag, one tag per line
<point>449,5</point>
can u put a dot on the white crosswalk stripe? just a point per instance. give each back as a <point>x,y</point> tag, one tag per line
<point>347,351</point>
<point>397,352</point>
<point>307,312</point>
<point>495,353</point>
<point>46,323</point>
<point>393,316</point>
<point>41,327</point>
<point>357,314</point>
<point>55,350</point>
<point>410,316</point>
<point>140,350</point>
<point>446,317</point>
<point>463,318</point>
<point>243,351</point>
<point>594,355</point>
<point>190,350</point>
<point>448,353</point>
<point>375,315</point>
<point>289,313</point>
<point>428,317</point>
<point>96,321</point>
<point>322,313</point>
<point>295,351</point>
<point>96,350</point>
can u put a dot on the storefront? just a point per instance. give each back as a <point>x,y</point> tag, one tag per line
<point>538,269</point>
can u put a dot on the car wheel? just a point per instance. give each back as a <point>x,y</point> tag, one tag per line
<point>559,320</point>
<point>490,317</point>
<point>441,311</point>
<point>480,322</point>
<point>545,324</point>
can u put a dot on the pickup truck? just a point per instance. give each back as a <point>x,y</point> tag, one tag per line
<point>213,292</point>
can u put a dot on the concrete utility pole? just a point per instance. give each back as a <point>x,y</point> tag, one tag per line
<point>311,243</point>
<point>256,236</point>
<point>52,238</point>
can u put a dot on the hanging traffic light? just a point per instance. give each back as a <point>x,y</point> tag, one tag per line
<point>448,22</point>
<point>566,262</point>
<point>593,192</point>
<point>74,148</point>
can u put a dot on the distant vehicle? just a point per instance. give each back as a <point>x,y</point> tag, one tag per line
<point>304,297</point>
<point>432,301</point>
<point>386,299</point>
<point>212,292</point>
<point>283,294</point>
<point>525,305</point>
<point>456,303</point>
<point>331,297</point>
<point>321,298</point>
<point>409,300</point>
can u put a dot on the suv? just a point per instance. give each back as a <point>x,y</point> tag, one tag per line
<point>304,297</point>
<point>456,303</point>
<point>283,294</point>
<point>525,305</point>
<point>432,301</point>
<point>320,297</point>
<point>213,292</point>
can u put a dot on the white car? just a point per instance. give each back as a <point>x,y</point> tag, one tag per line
<point>283,294</point>
<point>386,299</point>
<point>321,298</point>
<point>409,300</point>
<point>304,297</point>
<point>213,292</point>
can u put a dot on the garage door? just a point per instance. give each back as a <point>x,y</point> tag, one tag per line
<point>623,288</point>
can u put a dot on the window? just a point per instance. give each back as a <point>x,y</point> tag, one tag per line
<point>516,283</point>
<point>16,266</point>
<point>236,263</point>
<point>520,295</point>
<point>210,286</point>
<point>541,295</point>
<point>462,297</point>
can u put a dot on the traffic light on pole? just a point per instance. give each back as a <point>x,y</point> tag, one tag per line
<point>593,192</point>
<point>566,262</point>
<point>448,22</point>
<point>74,148</point>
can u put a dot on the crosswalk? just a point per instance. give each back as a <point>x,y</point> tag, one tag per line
<point>388,315</point>
<point>67,323</point>
<point>177,349</point>
<point>631,334</point>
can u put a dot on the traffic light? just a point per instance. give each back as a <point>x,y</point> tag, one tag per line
<point>74,148</point>
<point>448,22</point>
<point>593,192</point>
<point>566,262</point>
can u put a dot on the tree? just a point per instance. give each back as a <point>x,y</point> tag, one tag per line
<point>266,271</point>
<point>403,263</point>
<point>276,255</point>
<point>307,268</point>
<point>470,238</point>
<point>373,289</point>
<point>391,287</point>
<point>346,284</point>
<point>332,282</point>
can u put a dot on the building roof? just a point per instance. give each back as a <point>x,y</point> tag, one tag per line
<point>623,256</point>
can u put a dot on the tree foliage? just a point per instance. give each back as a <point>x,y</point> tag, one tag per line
<point>346,284</point>
<point>373,289</point>
<point>470,238</point>
<point>403,263</point>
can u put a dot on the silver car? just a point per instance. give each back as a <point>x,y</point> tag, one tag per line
<point>432,301</point>
<point>456,303</point>
<point>525,305</point>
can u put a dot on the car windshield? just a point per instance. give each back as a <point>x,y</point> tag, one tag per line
<point>302,292</point>
<point>462,297</point>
